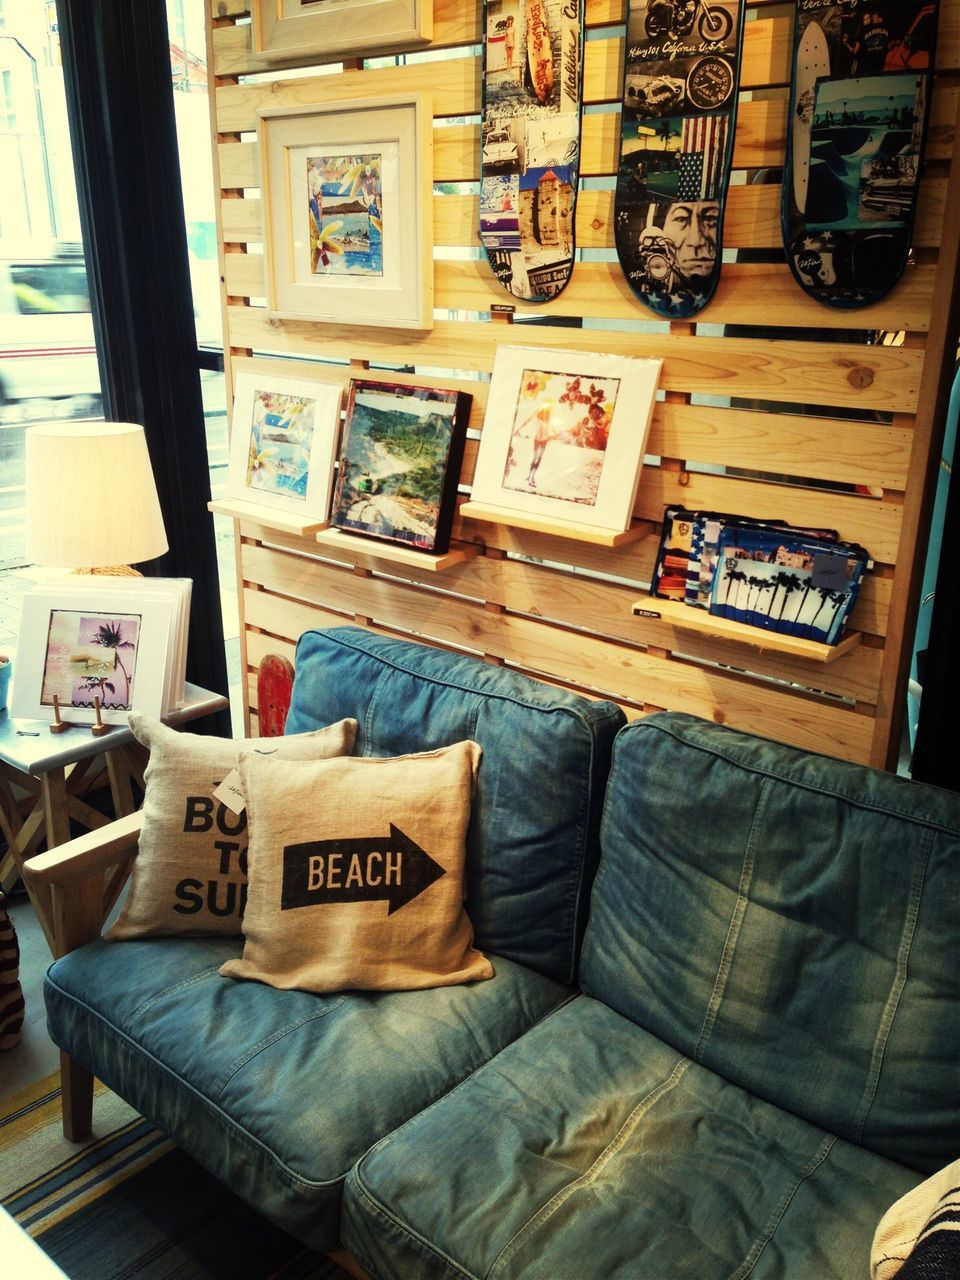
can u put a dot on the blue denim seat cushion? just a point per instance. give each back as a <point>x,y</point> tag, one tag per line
<point>590,1150</point>
<point>532,842</point>
<point>277,1093</point>
<point>789,921</point>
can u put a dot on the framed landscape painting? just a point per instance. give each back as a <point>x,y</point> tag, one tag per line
<point>564,435</point>
<point>348,211</point>
<point>327,29</point>
<point>400,463</point>
<point>283,442</point>
<point>81,643</point>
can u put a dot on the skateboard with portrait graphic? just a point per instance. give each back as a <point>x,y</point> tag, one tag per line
<point>530,142</point>
<point>679,103</point>
<point>859,103</point>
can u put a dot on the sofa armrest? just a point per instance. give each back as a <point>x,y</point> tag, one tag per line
<point>77,883</point>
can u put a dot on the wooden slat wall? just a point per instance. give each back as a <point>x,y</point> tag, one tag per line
<point>811,411</point>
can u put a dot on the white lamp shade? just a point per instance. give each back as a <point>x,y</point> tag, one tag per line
<point>91,496</point>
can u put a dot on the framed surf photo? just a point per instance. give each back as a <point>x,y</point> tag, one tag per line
<point>283,442</point>
<point>348,211</point>
<point>400,463</point>
<point>564,435</point>
<point>286,30</point>
<point>81,642</point>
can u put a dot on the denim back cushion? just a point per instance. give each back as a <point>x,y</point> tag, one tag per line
<point>789,921</point>
<point>532,841</point>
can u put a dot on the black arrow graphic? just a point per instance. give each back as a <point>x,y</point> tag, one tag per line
<point>392,868</point>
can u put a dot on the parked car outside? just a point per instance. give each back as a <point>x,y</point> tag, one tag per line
<point>47,350</point>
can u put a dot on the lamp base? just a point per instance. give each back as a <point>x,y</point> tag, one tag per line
<point>113,571</point>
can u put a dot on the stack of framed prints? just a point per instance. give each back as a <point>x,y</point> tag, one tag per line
<point>347,193</point>
<point>763,573</point>
<point>102,647</point>
<point>400,463</point>
<point>283,444</point>
<point>563,442</point>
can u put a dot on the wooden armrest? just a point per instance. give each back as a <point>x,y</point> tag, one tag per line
<point>76,885</point>
<point>92,853</point>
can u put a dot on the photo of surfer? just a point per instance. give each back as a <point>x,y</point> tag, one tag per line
<point>670,251</point>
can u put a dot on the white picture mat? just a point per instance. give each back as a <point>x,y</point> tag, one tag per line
<point>323,448</point>
<point>153,650</point>
<point>177,592</point>
<point>402,128</point>
<point>626,443</point>
<point>390,200</point>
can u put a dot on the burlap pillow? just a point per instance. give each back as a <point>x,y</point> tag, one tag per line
<point>190,873</point>
<point>356,873</point>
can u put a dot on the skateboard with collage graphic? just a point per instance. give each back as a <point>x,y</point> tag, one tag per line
<point>858,119</point>
<point>679,104</point>
<point>530,142</point>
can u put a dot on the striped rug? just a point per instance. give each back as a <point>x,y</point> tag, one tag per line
<point>129,1203</point>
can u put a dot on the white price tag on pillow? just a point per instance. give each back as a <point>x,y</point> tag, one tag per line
<point>230,793</point>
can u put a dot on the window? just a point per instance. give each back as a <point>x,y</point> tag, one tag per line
<point>8,114</point>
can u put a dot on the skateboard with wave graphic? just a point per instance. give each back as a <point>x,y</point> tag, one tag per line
<point>858,117</point>
<point>680,79</point>
<point>530,142</point>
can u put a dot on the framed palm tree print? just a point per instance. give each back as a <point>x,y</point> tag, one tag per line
<point>82,643</point>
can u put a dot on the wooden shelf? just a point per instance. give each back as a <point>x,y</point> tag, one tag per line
<point>558,528</point>
<point>272,517</point>
<point>356,544</point>
<point>687,618</point>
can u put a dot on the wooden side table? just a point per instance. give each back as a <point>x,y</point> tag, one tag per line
<point>51,769</point>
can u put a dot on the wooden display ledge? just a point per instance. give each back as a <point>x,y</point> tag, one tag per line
<point>688,618</point>
<point>356,544</point>
<point>271,517</point>
<point>558,528</point>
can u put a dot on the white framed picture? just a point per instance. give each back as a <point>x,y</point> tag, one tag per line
<point>347,195</point>
<point>283,442</point>
<point>327,29</point>
<point>80,643</point>
<point>564,435</point>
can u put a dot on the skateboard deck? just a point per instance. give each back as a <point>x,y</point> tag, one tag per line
<point>530,142</point>
<point>858,109</point>
<point>680,78</point>
<point>274,689</point>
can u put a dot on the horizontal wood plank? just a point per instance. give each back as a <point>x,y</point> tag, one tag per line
<point>602,665</point>
<point>765,59</point>
<point>833,449</point>
<point>755,294</point>
<point>600,607</point>
<point>760,143</point>
<point>839,375</point>
<point>752,219</point>
<point>633,565</point>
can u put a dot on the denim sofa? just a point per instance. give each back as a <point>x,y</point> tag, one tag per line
<point>750,1055</point>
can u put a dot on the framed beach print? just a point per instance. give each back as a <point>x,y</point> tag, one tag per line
<point>283,442</point>
<point>348,211</point>
<point>80,643</point>
<point>400,463</point>
<point>564,435</point>
<point>286,30</point>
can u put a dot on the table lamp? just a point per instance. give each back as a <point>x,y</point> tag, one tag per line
<point>92,502</point>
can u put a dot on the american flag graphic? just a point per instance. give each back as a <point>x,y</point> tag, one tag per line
<point>701,157</point>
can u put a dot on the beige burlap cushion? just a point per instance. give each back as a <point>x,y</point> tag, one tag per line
<point>190,873</point>
<point>356,873</point>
